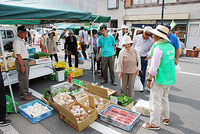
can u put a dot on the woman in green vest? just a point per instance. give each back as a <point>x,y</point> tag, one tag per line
<point>161,76</point>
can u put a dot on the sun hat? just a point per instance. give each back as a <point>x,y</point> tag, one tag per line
<point>21,29</point>
<point>51,32</point>
<point>123,26</point>
<point>70,31</point>
<point>161,31</point>
<point>127,40</point>
<point>147,29</point>
<point>176,32</point>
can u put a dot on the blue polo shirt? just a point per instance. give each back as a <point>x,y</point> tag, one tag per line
<point>174,40</point>
<point>106,45</point>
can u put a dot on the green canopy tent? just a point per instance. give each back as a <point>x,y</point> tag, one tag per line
<point>37,12</point>
<point>66,26</point>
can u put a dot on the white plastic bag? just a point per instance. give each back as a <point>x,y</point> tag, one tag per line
<point>138,84</point>
<point>177,69</point>
<point>142,107</point>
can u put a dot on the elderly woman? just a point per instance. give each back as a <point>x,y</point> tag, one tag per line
<point>51,45</point>
<point>128,66</point>
<point>71,48</point>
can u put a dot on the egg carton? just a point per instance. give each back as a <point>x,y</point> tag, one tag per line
<point>39,117</point>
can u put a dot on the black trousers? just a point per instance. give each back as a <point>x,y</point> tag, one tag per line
<point>117,51</point>
<point>83,51</point>
<point>65,57</point>
<point>2,99</point>
<point>70,60</point>
<point>55,56</point>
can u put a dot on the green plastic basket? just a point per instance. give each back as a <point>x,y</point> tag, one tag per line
<point>66,73</point>
<point>9,105</point>
<point>52,76</point>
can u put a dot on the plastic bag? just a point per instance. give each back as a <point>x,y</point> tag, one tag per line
<point>9,105</point>
<point>138,84</point>
<point>80,58</point>
<point>177,69</point>
<point>142,107</point>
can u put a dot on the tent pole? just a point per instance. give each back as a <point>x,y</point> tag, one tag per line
<point>6,68</point>
<point>93,69</point>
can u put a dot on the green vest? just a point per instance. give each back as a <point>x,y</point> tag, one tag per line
<point>166,71</point>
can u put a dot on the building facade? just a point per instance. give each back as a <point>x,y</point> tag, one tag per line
<point>140,13</point>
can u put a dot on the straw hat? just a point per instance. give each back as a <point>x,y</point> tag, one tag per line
<point>161,31</point>
<point>147,29</point>
<point>127,40</point>
<point>51,32</point>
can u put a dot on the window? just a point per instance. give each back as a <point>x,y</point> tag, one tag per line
<point>10,34</point>
<point>140,2</point>
<point>112,4</point>
<point>3,34</point>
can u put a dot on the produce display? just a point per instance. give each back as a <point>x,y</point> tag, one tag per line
<point>119,117</point>
<point>97,104</point>
<point>79,94</point>
<point>36,110</point>
<point>123,100</point>
<point>80,83</point>
<point>79,113</point>
<point>63,99</point>
<point>40,54</point>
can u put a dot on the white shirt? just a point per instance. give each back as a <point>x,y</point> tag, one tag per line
<point>121,37</point>
<point>20,48</point>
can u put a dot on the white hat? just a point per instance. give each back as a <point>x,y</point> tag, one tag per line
<point>123,26</point>
<point>70,31</point>
<point>127,40</point>
<point>161,31</point>
<point>147,29</point>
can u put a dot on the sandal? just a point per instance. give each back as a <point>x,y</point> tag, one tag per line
<point>150,127</point>
<point>166,122</point>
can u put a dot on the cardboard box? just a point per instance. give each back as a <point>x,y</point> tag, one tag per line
<point>192,53</point>
<point>91,102</point>
<point>70,119</point>
<point>54,106</point>
<point>97,90</point>
<point>129,106</point>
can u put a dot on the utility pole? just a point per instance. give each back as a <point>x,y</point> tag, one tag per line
<point>163,3</point>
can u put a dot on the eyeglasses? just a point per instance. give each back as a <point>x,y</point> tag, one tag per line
<point>148,34</point>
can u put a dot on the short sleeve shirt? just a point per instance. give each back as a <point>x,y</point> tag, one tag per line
<point>20,48</point>
<point>82,35</point>
<point>174,40</point>
<point>106,45</point>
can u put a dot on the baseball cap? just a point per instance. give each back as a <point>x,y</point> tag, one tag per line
<point>21,29</point>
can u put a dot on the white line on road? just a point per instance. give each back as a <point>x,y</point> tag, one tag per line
<point>190,73</point>
<point>8,130</point>
<point>95,125</point>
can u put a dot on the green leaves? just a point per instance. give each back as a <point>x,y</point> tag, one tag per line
<point>40,54</point>
<point>122,100</point>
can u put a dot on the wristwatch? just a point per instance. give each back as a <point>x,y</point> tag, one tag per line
<point>149,80</point>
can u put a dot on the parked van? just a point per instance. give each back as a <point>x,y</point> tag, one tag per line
<point>8,34</point>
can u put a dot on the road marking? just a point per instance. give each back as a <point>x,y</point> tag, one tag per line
<point>190,73</point>
<point>95,125</point>
<point>103,129</point>
<point>8,130</point>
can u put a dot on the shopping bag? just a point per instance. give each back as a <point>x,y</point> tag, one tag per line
<point>138,84</point>
<point>143,107</point>
<point>177,69</point>
<point>80,58</point>
<point>9,105</point>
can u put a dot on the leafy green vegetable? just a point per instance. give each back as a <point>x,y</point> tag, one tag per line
<point>40,54</point>
<point>46,94</point>
<point>122,100</point>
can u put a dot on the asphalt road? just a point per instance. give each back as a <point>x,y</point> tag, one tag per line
<point>184,105</point>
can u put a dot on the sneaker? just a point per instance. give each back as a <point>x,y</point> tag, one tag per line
<point>104,81</point>
<point>148,126</point>
<point>114,83</point>
<point>5,122</point>
<point>100,77</point>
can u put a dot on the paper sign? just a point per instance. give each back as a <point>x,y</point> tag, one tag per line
<point>113,99</point>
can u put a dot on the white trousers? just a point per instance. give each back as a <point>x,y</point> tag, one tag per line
<point>159,103</point>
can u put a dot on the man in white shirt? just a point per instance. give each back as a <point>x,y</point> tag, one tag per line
<point>82,41</point>
<point>122,33</point>
<point>21,63</point>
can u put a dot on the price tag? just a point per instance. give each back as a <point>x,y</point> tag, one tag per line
<point>113,99</point>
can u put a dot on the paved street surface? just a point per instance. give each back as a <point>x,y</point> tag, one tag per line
<point>184,106</point>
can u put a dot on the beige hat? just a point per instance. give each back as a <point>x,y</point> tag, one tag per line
<point>161,31</point>
<point>127,40</point>
<point>147,29</point>
<point>123,26</point>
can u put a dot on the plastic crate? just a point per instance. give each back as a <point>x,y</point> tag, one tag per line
<point>38,118</point>
<point>31,50</point>
<point>78,72</point>
<point>66,73</point>
<point>114,121</point>
<point>52,76</point>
